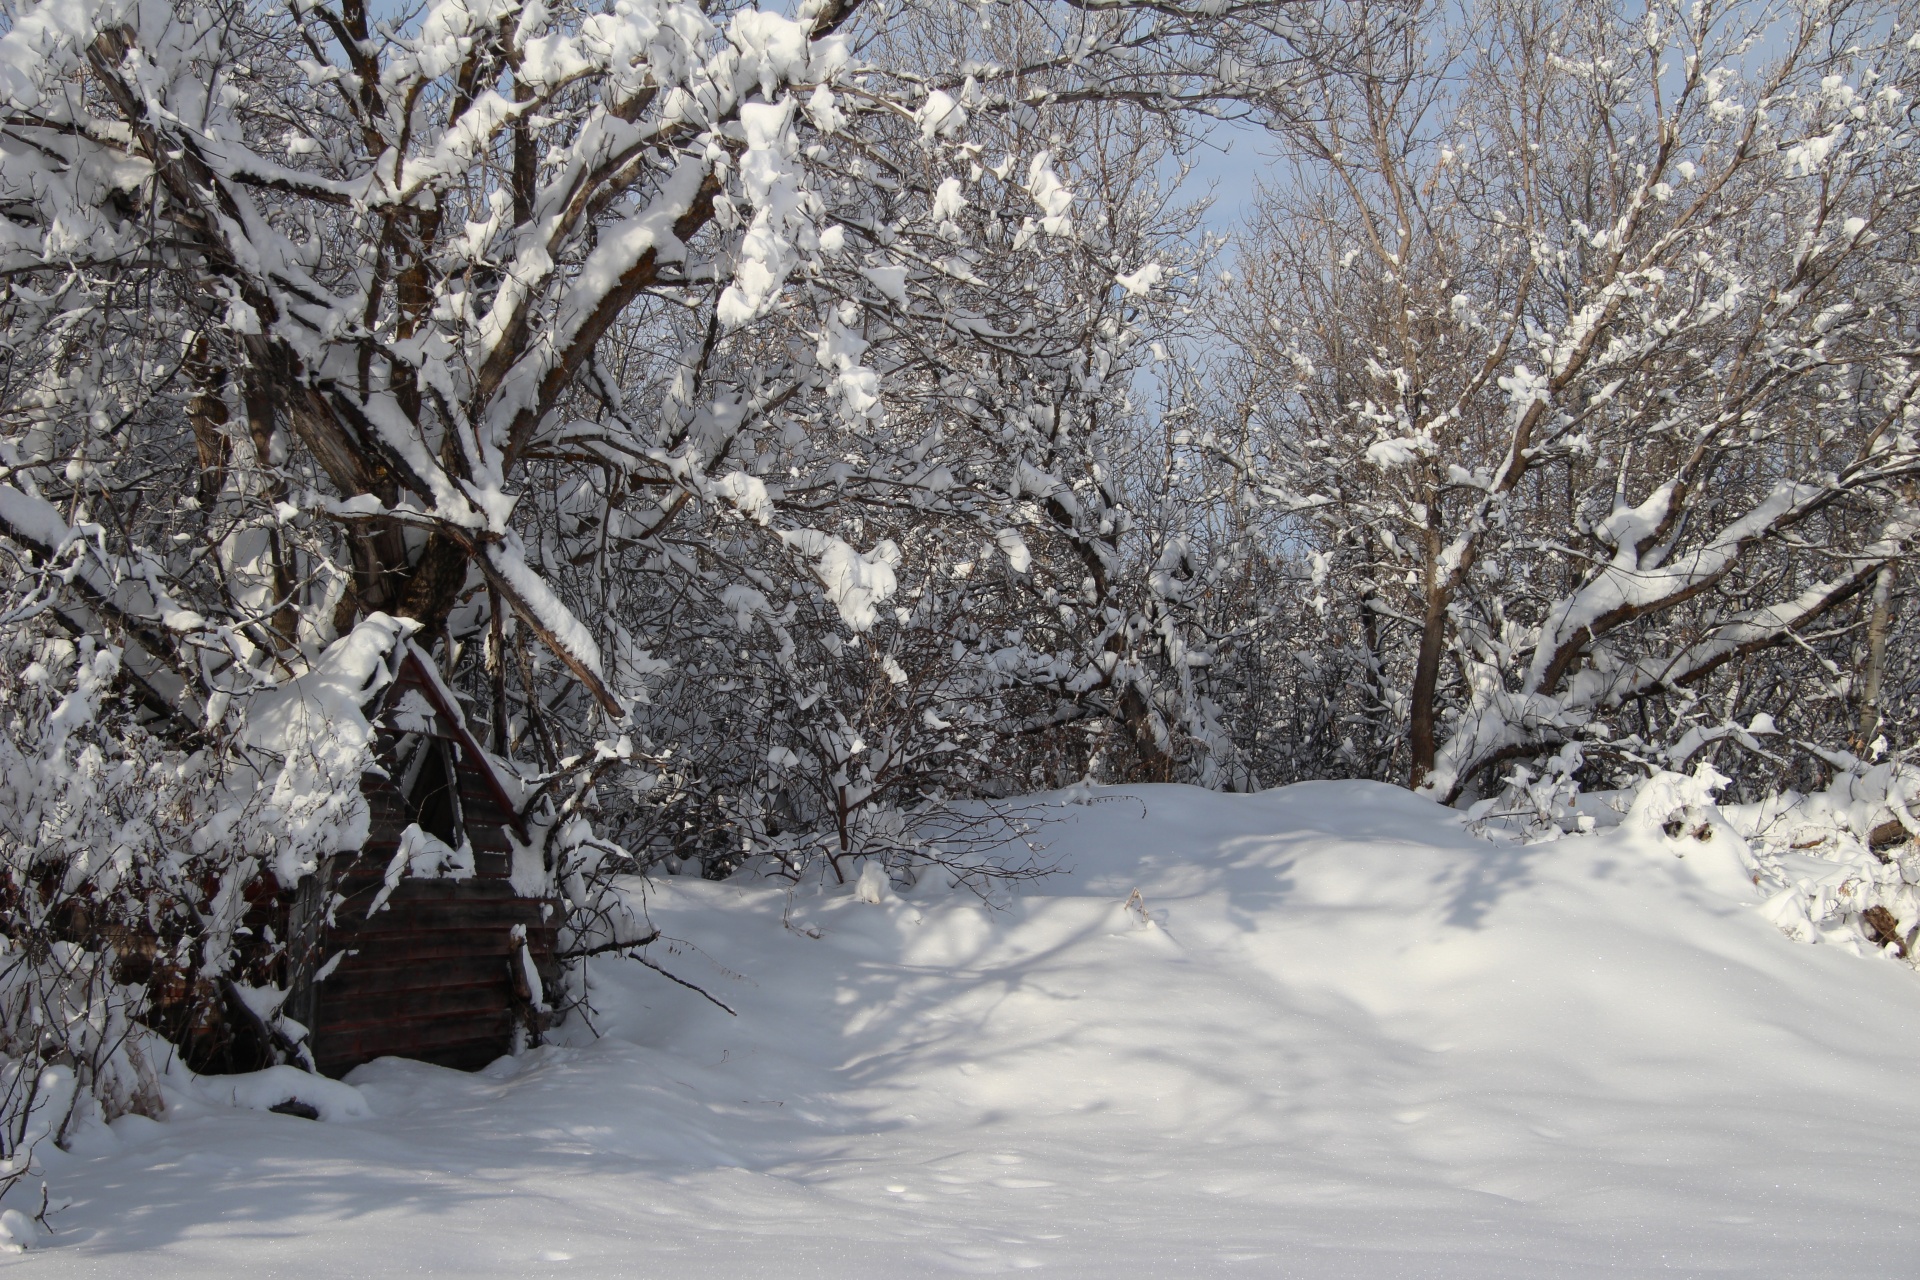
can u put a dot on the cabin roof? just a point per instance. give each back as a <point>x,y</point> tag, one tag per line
<point>414,675</point>
<point>321,722</point>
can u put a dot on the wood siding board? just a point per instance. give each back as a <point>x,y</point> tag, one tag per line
<point>440,915</point>
<point>467,1046</point>
<point>401,1039</point>
<point>452,964</point>
<point>436,1009</point>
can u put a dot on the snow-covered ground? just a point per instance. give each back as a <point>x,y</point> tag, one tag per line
<point>1348,1039</point>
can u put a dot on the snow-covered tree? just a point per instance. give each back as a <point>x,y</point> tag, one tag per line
<point>1576,375</point>
<point>721,396</point>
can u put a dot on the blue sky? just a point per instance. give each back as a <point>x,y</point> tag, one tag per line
<point>1231,165</point>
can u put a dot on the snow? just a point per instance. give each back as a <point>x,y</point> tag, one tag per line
<point>857,582</point>
<point>34,518</point>
<point>1316,1032</point>
<point>1014,547</point>
<point>316,728</point>
<point>17,1232</point>
<point>1140,283</point>
<point>948,202</point>
<point>424,856</point>
<point>1634,579</point>
<point>41,43</point>
<point>508,557</point>
<point>748,494</point>
<point>889,280</point>
<point>941,115</point>
<point>1399,451</point>
<point>773,49</point>
<point>263,1090</point>
<point>766,253</point>
<point>840,348</point>
<point>1044,185</point>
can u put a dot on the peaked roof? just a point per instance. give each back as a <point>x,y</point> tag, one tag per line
<point>416,671</point>
<point>314,731</point>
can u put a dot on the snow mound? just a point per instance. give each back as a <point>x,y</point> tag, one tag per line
<point>287,1090</point>
<point>1321,1032</point>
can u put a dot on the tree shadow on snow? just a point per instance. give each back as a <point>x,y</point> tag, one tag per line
<point>1473,892</point>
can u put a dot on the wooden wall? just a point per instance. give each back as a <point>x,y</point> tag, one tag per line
<point>433,974</point>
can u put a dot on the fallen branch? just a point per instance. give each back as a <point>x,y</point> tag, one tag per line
<point>683,982</point>
<point>605,947</point>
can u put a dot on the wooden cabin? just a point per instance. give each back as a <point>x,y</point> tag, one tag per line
<point>446,970</point>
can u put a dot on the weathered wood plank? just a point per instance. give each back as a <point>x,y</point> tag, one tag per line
<point>479,919</point>
<point>429,895</point>
<point>473,1043</point>
<point>423,1009</point>
<point>403,1036</point>
<point>427,964</point>
<point>469,1055</point>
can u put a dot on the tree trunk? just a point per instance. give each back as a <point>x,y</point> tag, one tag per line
<point>1426,679</point>
<point>1878,625</point>
<point>1421,730</point>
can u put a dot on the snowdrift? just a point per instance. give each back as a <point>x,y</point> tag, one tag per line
<point>1332,1034</point>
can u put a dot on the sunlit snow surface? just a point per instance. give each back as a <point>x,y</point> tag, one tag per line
<point>1350,1040</point>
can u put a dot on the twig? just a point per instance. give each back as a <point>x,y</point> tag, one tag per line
<point>605,947</point>
<point>683,982</point>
